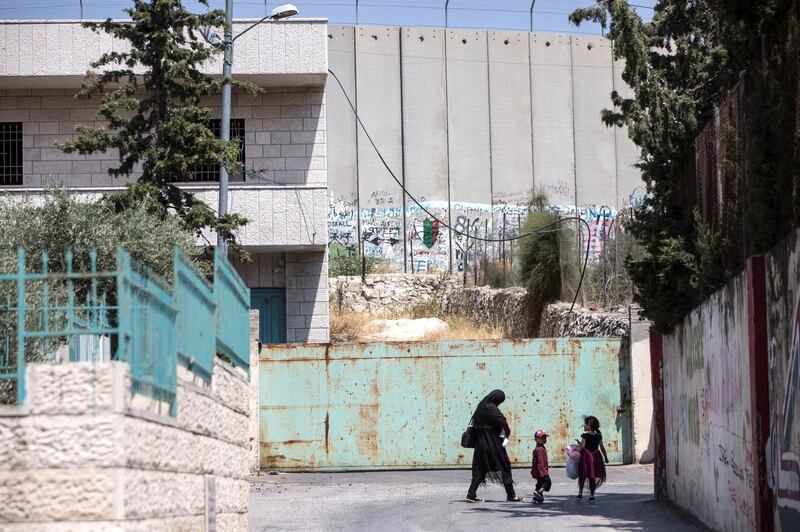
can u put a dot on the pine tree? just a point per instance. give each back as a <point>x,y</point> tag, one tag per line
<point>150,101</point>
<point>678,66</point>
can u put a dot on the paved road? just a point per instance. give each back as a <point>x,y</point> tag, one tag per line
<point>434,500</point>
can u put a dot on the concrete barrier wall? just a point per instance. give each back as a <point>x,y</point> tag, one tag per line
<point>783,326</point>
<point>471,121</point>
<point>708,421</point>
<point>82,454</point>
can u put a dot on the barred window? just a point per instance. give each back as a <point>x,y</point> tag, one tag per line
<point>210,172</point>
<point>10,153</point>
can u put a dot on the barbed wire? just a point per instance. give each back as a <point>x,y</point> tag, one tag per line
<point>422,13</point>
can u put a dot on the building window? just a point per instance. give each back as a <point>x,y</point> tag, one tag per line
<point>10,153</point>
<point>210,172</point>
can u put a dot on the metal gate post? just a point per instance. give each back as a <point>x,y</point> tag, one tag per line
<point>759,389</point>
<point>656,366</point>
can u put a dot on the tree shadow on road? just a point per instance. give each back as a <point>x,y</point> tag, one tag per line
<point>618,510</point>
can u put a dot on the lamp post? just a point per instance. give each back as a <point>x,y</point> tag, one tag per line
<point>280,12</point>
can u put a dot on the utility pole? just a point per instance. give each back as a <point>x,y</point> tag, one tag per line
<point>225,119</point>
<point>281,12</point>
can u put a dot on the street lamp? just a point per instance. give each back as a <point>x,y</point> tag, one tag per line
<point>280,12</point>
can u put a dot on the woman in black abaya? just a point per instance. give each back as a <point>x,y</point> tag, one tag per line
<point>490,460</point>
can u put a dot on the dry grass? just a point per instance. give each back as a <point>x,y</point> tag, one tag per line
<point>464,329</point>
<point>349,326</point>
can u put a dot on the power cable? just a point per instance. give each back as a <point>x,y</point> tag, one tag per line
<point>453,229</point>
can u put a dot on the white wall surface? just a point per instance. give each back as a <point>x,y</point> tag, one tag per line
<point>49,54</point>
<point>706,382</point>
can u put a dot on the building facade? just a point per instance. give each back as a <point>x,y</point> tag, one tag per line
<point>282,191</point>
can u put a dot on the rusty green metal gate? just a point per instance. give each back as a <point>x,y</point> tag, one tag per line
<point>405,404</point>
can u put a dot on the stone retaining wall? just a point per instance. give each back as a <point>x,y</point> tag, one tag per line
<point>558,321</point>
<point>505,308</point>
<point>387,293</point>
<point>82,454</point>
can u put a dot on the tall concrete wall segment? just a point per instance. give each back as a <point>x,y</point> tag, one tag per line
<point>342,144</point>
<point>377,50</point>
<point>551,94</point>
<point>425,153</point>
<point>471,122</point>
<point>469,138</point>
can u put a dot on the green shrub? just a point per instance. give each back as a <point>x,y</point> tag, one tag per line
<point>61,222</point>
<point>341,263</point>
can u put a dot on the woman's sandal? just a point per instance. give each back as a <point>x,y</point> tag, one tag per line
<point>515,499</point>
<point>474,499</point>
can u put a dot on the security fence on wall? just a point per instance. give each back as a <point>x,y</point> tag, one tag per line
<point>714,179</point>
<point>128,314</point>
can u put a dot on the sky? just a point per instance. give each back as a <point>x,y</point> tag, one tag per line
<point>548,15</point>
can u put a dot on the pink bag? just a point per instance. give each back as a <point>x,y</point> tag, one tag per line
<point>573,453</point>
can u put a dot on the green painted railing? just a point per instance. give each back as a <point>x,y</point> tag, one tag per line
<point>196,330</point>
<point>147,326</point>
<point>128,314</point>
<point>232,298</point>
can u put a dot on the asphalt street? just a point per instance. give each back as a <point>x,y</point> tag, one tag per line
<point>434,500</point>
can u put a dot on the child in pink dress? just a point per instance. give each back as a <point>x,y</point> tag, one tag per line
<point>592,464</point>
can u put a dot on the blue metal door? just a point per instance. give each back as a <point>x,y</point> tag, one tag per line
<point>271,303</point>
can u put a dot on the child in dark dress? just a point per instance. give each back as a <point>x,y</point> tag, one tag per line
<point>592,466</point>
<point>540,469</point>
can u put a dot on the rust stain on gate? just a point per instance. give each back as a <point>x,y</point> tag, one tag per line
<point>405,404</point>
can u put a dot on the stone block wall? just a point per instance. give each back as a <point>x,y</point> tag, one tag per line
<point>82,454</point>
<point>307,297</point>
<point>284,136</point>
<point>507,308</point>
<point>558,321</point>
<point>388,294</point>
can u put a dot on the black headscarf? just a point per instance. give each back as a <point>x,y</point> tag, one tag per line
<point>489,460</point>
<point>487,414</point>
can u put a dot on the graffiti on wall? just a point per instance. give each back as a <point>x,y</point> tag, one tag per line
<point>382,233</point>
<point>707,410</point>
<point>783,326</point>
<point>342,225</point>
<point>788,463</point>
<point>428,237</point>
<point>395,234</point>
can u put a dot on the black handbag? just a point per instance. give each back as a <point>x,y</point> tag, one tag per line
<point>468,437</point>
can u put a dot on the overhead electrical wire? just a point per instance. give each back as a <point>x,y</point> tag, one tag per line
<point>453,229</point>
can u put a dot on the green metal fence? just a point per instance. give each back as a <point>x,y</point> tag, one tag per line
<point>196,330</point>
<point>128,314</point>
<point>232,299</point>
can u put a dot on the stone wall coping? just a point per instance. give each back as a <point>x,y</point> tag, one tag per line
<point>235,371</point>
<point>15,410</point>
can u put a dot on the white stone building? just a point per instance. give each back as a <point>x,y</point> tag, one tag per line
<point>283,194</point>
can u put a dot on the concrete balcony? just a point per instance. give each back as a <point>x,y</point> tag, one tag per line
<point>281,218</point>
